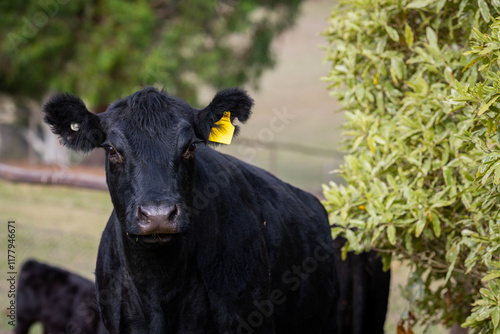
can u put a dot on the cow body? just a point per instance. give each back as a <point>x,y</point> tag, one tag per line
<point>259,259</point>
<point>363,291</point>
<point>62,301</point>
<point>199,242</point>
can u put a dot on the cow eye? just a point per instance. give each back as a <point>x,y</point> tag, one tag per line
<point>189,154</point>
<point>111,151</point>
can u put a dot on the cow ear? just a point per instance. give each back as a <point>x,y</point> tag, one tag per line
<point>215,121</point>
<point>78,128</point>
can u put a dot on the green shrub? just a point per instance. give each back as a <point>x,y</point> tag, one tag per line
<point>411,170</point>
<point>483,238</point>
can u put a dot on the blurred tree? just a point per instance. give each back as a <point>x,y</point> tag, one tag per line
<point>104,49</point>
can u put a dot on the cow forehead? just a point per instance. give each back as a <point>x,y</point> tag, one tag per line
<point>148,111</point>
<point>148,126</point>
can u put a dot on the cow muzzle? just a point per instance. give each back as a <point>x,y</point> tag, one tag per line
<point>158,219</point>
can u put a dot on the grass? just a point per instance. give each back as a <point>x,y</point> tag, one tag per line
<point>35,205</point>
<point>57,225</point>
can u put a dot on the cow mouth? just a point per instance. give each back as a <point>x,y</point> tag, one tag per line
<point>152,238</point>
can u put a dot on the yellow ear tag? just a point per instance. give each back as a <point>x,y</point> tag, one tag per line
<point>223,130</point>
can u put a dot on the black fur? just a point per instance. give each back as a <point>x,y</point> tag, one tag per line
<point>64,109</point>
<point>364,291</point>
<point>62,301</point>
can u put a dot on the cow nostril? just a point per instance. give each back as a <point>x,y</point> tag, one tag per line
<point>173,214</point>
<point>141,213</point>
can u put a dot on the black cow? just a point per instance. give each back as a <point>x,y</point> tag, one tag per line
<point>62,301</point>
<point>198,241</point>
<point>363,291</point>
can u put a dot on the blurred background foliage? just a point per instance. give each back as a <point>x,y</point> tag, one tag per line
<point>423,165</point>
<point>104,49</point>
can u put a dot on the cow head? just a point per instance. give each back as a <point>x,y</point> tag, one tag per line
<point>150,140</point>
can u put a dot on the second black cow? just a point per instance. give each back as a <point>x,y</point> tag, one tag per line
<point>363,291</point>
<point>61,301</point>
